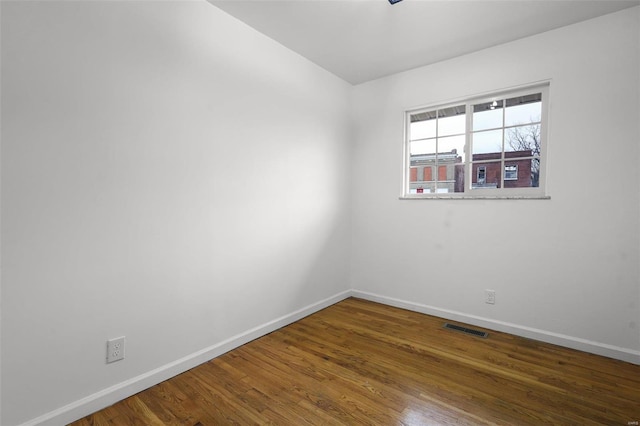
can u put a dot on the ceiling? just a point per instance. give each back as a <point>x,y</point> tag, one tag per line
<point>362,40</point>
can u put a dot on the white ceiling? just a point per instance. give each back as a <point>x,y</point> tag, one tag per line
<point>361,40</point>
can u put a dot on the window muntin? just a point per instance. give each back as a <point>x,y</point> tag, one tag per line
<point>437,140</point>
<point>503,135</point>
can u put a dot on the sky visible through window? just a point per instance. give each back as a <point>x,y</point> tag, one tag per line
<point>487,127</point>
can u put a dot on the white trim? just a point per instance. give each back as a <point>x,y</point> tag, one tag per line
<point>571,342</point>
<point>106,397</point>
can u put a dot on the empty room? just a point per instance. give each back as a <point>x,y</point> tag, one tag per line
<point>319,212</point>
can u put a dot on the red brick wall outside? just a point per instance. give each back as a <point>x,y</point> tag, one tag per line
<point>524,174</point>
<point>494,172</point>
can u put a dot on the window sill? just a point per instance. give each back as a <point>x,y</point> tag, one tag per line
<point>474,197</point>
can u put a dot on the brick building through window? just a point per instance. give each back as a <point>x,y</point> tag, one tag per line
<point>488,171</point>
<point>518,172</point>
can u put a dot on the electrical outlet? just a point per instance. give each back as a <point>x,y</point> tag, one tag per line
<point>490,297</point>
<point>115,349</point>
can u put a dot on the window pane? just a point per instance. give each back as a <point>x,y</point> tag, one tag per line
<point>450,174</point>
<point>421,188</point>
<point>458,176</point>
<point>444,187</point>
<point>522,173</point>
<point>414,190</point>
<point>427,173</point>
<point>487,115</point>
<point>442,173</point>
<point>413,174</point>
<point>481,175</point>
<point>488,141</point>
<point>451,121</point>
<point>523,110</point>
<point>427,146</point>
<point>535,172</point>
<point>446,164</point>
<point>422,129</point>
<point>510,172</point>
<point>501,150</point>
<point>523,138</point>
<point>449,187</point>
<point>453,145</point>
<point>491,172</point>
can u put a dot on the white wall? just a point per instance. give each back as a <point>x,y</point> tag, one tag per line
<point>564,269</point>
<point>168,174</point>
<point>171,175</point>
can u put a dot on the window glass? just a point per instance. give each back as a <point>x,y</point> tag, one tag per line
<point>523,110</point>
<point>443,188</point>
<point>523,138</point>
<point>413,175</point>
<point>427,173</point>
<point>502,151</point>
<point>451,121</point>
<point>491,173</point>
<point>423,129</point>
<point>535,172</point>
<point>452,144</point>
<point>510,172</point>
<point>487,115</point>
<point>487,141</point>
<point>481,175</point>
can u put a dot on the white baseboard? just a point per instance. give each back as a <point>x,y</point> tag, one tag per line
<point>109,396</point>
<point>113,394</point>
<point>584,345</point>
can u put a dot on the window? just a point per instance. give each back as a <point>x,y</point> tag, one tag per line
<point>511,172</point>
<point>489,146</point>
<point>482,175</point>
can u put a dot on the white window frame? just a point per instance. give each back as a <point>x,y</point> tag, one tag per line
<point>483,193</point>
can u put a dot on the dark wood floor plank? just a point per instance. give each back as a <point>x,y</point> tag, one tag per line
<point>359,362</point>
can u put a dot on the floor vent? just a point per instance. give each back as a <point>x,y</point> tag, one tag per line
<point>466,330</point>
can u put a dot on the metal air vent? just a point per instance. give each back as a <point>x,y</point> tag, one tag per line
<point>466,330</point>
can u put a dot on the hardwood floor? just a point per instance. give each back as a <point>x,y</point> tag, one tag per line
<point>359,362</point>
